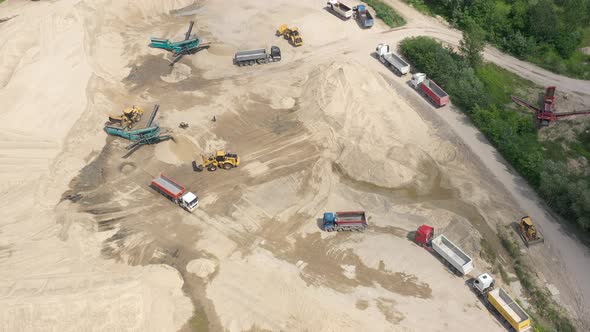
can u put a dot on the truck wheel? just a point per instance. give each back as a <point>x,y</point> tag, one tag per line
<point>330,229</point>
<point>212,168</point>
<point>227,166</point>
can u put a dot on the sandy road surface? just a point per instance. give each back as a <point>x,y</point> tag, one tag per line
<point>322,130</point>
<point>566,253</point>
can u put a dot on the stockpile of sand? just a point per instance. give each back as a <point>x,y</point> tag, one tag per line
<point>372,134</point>
<point>53,57</point>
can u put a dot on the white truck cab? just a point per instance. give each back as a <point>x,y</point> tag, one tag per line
<point>484,283</point>
<point>417,79</point>
<point>189,201</point>
<point>382,49</point>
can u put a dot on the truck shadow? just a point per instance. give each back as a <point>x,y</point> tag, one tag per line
<point>448,267</point>
<point>320,223</point>
<point>359,24</point>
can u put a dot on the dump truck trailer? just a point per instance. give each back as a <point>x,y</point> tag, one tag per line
<point>363,16</point>
<point>509,309</point>
<point>499,301</point>
<point>391,60</point>
<point>459,260</point>
<point>259,56</point>
<point>452,254</point>
<point>438,96</point>
<point>175,192</point>
<point>340,9</point>
<point>345,221</point>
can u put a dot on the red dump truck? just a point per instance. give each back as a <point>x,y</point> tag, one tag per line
<point>345,221</point>
<point>175,192</point>
<point>438,96</point>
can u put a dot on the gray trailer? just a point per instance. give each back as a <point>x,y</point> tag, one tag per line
<point>258,56</point>
<point>452,254</point>
<point>392,60</point>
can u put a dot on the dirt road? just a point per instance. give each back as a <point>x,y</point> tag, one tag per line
<point>568,265</point>
<point>419,24</point>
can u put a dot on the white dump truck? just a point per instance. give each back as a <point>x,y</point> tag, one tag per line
<point>452,254</point>
<point>392,60</point>
<point>340,9</point>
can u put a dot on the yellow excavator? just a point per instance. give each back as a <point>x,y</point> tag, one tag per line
<point>291,34</point>
<point>130,116</point>
<point>528,232</point>
<point>221,159</point>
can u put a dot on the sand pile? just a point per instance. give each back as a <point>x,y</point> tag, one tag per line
<point>372,135</point>
<point>54,59</point>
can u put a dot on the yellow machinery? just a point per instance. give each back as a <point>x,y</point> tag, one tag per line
<point>131,115</point>
<point>291,34</point>
<point>528,232</point>
<point>221,159</point>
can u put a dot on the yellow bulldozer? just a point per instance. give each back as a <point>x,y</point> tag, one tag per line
<point>221,159</point>
<point>528,232</point>
<point>291,34</point>
<point>130,116</point>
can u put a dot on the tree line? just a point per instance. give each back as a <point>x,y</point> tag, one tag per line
<point>482,92</point>
<point>547,32</point>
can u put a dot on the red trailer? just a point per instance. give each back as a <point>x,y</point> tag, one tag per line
<point>175,192</point>
<point>430,89</point>
<point>345,221</point>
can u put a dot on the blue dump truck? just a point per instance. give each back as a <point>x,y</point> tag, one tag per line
<point>355,221</point>
<point>363,16</point>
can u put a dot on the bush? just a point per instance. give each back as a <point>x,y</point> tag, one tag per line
<point>447,69</point>
<point>386,13</point>
<point>532,30</point>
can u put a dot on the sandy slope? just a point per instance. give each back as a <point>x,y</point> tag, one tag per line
<point>54,277</point>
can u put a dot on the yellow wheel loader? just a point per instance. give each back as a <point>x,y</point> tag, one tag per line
<point>291,34</point>
<point>130,116</point>
<point>221,159</point>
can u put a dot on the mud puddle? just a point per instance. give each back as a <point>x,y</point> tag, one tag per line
<point>322,265</point>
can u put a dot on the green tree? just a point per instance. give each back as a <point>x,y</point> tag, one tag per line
<point>543,21</point>
<point>473,42</point>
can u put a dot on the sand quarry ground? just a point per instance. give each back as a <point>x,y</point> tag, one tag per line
<point>85,244</point>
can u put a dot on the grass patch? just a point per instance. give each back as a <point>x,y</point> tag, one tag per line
<point>575,66</point>
<point>386,13</point>
<point>198,322</point>
<point>582,146</point>
<point>420,6</point>
<point>500,84</point>
<point>486,252</point>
